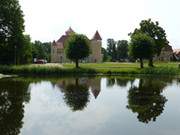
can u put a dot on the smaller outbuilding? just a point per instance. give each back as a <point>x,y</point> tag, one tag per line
<point>176,54</point>
<point>166,54</point>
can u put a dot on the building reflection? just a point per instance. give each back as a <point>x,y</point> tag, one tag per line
<point>77,91</point>
<point>13,95</point>
<point>93,84</point>
<point>147,100</point>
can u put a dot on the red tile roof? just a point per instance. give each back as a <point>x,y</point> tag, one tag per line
<point>69,31</point>
<point>62,38</point>
<point>97,36</point>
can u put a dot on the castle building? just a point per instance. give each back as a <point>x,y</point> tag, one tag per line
<point>58,48</point>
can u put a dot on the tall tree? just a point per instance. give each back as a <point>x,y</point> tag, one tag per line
<point>26,56</point>
<point>47,49</point>
<point>157,33</point>
<point>105,54</point>
<point>41,50</point>
<point>122,50</point>
<point>141,47</point>
<point>111,49</point>
<point>11,32</point>
<point>77,48</point>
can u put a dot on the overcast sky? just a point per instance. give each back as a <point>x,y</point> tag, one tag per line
<point>47,20</point>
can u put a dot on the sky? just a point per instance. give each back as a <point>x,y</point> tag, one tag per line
<point>47,20</point>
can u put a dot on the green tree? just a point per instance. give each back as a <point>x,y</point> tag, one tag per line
<point>47,49</point>
<point>141,47</point>
<point>122,50</point>
<point>111,49</point>
<point>77,48</point>
<point>105,54</point>
<point>157,33</point>
<point>26,56</point>
<point>11,32</point>
<point>38,51</point>
<point>41,50</point>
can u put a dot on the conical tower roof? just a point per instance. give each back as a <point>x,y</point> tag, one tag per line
<point>97,36</point>
<point>69,31</point>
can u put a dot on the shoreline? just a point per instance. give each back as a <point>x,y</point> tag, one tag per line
<point>41,70</point>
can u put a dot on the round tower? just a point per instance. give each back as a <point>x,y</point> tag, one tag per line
<point>95,46</point>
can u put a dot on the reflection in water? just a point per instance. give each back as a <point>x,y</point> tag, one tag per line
<point>110,82</point>
<point>122,82</point>
<point>95,86</point>
<point>12,96</point>
<point>144,98</point>
<point>119,81</point>
<point>147,99</point>
<point>92,84</point>
<point>76,95</point>
<point>76,91</point>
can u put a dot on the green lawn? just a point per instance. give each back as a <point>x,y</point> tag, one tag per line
<point>120,65</point>
<point>108,68</point>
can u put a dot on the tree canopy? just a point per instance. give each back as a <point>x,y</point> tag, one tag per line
<point>141,47</point>
<point>156,32</point>
<point>122,50</point>
<point>12,40</point>
<point>41,50</point>
<point>111,49</point>
<point>77,48</point>
<point>117,50</point>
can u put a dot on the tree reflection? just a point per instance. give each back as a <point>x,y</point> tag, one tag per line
<point>110,82</point>
<point>119,81</point>
<point>122,82</point>
<point>76,96</point>
<point>12,95</point>
<point>147,100</point>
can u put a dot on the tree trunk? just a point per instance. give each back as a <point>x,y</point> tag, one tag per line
<point>77,64</point>
<point>151,62</point>
<point>141,63</point>
<point>77,82</point>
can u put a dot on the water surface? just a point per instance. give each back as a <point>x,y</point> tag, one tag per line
<point>90,106</point>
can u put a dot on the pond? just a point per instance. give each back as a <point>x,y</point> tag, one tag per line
<point>90,106</point>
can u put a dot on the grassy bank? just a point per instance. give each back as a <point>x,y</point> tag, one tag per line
<point>91,69</point>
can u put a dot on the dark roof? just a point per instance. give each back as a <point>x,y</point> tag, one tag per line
<point>95,93</point>
<point>167,48</point>
<point>97,36</point>
<point>62,38</point>
<point>69,31</point>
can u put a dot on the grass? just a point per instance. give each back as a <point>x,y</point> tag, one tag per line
<point>91,69</point>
